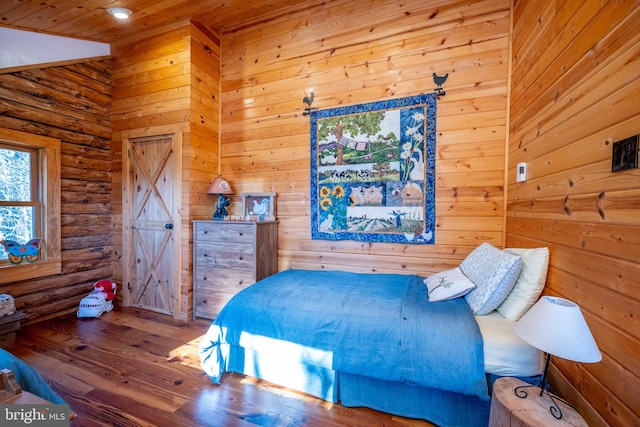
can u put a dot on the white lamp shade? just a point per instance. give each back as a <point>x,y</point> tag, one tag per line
<point>557,326</point>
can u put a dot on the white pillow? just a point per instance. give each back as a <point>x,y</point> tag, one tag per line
<point>494,273</point>
<point>528,287</point>
<point>448,284</point>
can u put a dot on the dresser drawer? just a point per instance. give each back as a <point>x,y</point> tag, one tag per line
<point>216,286</point>
<point>238,257</point>
<point>217,279</point>
<point>225,232</point>
<point>208,306</point>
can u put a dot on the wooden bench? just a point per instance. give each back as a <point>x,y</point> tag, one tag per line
<point>9,324</point>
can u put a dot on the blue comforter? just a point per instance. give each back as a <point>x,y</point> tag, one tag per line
<point>375,325</point>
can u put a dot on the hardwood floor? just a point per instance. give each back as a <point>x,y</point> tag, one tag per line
<point>137,368</point>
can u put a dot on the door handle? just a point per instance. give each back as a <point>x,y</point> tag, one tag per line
<point>168,226</point>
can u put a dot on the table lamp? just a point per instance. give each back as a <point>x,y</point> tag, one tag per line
<point>557,327</point>
<point>221,187</point>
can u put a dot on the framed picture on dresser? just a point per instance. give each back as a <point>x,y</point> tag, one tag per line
<point>259,206</point>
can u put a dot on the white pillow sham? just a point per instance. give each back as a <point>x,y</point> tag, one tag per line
<point>530,282</point>
<point>447,285</point>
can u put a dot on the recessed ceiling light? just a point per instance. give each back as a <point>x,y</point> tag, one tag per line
<point>120,12</point>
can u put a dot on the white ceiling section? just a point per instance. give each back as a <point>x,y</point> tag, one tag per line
<point>19,48</point>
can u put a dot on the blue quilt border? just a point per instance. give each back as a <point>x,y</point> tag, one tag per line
<point>427,236</point>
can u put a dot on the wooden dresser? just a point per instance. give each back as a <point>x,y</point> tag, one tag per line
<point>228,256</point>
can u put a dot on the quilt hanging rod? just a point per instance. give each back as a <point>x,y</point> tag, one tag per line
<point>438,80</point>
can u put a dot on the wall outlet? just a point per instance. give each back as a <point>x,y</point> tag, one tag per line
<point>521,172</point>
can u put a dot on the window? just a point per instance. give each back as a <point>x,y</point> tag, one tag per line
<point>19,194</point>
<point>29,203</point>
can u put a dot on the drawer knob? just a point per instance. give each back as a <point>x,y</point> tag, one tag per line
<point>240,282</point>
<point>204,278</point>
<point>240,258</point>
<point>241,233</point>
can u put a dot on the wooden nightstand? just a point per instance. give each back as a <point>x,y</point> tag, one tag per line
<point>509,410</point>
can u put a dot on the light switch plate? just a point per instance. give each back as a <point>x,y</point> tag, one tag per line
<point>521,172</point>
<point>625,154</point>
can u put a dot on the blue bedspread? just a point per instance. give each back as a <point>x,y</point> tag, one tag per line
<point>28,378</point>
<point>375,325</point>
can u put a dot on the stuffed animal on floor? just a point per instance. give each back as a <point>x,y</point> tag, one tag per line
<point>7,306</point>
<point>107,288</point>
<point>99,301</point>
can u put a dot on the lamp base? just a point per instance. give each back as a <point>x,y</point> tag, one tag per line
<point>221,211</point>
<point>544,389</point>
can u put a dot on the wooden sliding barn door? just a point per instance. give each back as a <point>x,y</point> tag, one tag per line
<point>150,229</point>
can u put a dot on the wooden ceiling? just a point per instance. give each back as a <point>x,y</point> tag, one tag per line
<point>89,20</point>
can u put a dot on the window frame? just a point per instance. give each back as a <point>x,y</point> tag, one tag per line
<point>50,261</point>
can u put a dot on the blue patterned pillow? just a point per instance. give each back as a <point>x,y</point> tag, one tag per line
<point>494,273</point>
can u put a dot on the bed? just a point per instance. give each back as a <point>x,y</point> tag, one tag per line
<point>385,341</point>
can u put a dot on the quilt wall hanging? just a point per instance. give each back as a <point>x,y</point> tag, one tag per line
<point>373,171</point>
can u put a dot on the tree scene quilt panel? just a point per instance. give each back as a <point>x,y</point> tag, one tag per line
<point>373,171</point>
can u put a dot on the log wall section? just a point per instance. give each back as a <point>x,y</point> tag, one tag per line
<point>357,52</point>
<point>70,103</point>
<point>575,90</point>
<point>169,83</point>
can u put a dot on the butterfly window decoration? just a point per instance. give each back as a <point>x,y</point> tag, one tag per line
<point>19,252</point>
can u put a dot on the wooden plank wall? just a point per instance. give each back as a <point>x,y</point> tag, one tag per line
<point>356,52</point>
<point>575,90</point>
<point>169,83</point>
<point>201,155</point>
<point>70,103</point>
